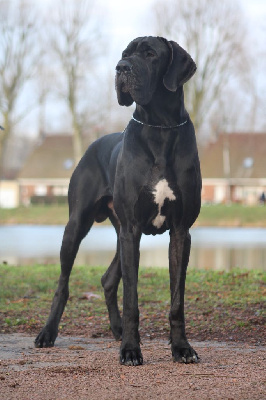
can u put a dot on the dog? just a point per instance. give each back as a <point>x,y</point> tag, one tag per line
<point>147,180</point>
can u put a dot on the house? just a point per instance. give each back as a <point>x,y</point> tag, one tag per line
<point>234,168</point>
<point>16,150</point>
<point>46,173</point>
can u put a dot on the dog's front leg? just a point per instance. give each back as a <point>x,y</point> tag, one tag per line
<point>130,353</point>
<point>179,251</point>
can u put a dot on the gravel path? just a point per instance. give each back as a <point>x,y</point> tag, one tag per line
<point>86,368</point>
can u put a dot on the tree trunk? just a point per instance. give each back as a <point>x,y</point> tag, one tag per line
<point>3,141</point>
<point>76,140</point>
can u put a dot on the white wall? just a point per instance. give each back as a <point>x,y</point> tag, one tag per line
<point>9,194</point>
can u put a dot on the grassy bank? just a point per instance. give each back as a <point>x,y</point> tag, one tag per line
<point>232,215</point>
<point>219,305</point>
<point>39,215</point>
<point>214,215</point>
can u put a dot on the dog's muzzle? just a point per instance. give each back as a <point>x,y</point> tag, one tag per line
<point>123,67</point>
<point>124,82</point>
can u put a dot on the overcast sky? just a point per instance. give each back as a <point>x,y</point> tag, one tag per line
<point>130,19</point>
<point>125,20</point>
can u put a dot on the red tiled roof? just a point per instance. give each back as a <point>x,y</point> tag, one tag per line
<point>48,160</point>
<point>241,146</point>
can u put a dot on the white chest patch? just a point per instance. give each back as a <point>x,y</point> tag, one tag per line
<point>161,192</point>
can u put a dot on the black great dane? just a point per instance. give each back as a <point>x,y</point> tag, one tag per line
<point>145,180</point>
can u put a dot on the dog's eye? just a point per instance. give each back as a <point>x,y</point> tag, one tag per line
<point>124,55</point>
<point>150,54</point>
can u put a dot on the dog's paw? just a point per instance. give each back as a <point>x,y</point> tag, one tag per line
<point>46,338</point>
<point>185,355</point>
<point>131,357</point>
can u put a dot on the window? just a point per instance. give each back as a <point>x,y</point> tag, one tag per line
<point>40,190</point>
<point>60,190</point>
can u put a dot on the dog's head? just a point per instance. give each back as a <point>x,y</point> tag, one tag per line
<point>148,63</point>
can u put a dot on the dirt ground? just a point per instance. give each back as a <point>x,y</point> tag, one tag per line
<point>80,368</point>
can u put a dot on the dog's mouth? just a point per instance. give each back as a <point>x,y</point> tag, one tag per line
<point>123,88</point>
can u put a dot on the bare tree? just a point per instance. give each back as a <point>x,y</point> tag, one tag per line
<point>212,31</point>
<point>74,40</point>
<point>17,64</point>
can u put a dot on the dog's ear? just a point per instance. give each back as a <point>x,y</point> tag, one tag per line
<point>180,69</point>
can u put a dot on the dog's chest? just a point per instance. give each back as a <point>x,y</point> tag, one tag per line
<point>161,192</point>
<point>157,205</point>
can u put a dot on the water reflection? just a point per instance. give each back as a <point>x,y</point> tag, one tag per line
<point>212,248</point>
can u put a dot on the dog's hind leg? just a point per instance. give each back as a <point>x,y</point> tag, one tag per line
<point>110,282</point>
<point>77,228</point>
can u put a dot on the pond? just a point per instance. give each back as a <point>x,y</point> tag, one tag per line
<point>212,248</point>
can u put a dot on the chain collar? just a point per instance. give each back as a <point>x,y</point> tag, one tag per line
<point>160,126</point>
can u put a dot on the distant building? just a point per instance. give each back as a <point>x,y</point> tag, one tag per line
<point>45,175</point>
<point>234,168</point>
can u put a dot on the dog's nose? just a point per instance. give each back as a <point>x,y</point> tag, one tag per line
<point>123,66</point>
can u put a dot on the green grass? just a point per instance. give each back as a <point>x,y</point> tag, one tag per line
<point>234,214</point>
<point>39,215</point>
<point>234,288</point>
<point>214,300</point>
<point>211,215</point>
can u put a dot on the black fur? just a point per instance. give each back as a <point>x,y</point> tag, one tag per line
<point>117,178</point>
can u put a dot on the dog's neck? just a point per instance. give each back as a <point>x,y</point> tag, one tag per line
<point>166,109</point>
<point>159,126</point>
